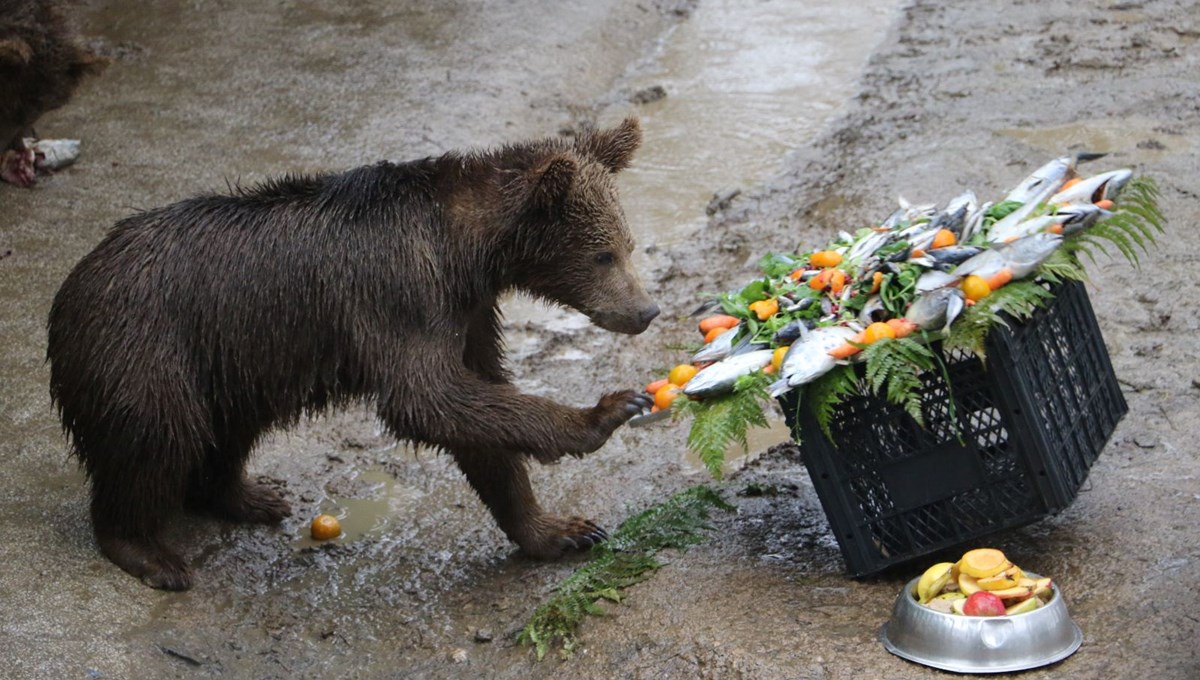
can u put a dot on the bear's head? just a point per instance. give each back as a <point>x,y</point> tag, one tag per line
<point>576,248</point>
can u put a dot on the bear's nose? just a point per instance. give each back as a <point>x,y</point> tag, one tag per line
<point>647,314</point>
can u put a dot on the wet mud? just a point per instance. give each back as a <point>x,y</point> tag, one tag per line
<point>924,100</point>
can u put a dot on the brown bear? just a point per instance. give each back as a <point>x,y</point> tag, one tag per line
<point>41,64</point>
<point>193,329</point>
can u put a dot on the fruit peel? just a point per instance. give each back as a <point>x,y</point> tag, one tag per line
<point>983,562</point>
<point>1024,607</point>
<point>933,581</point>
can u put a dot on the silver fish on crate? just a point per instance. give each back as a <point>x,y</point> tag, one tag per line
<point>1106,185</point>
<point>1020,257</point>
<point>873,310</point>
<point>947,257</point>
<point>1025,255</point>
<point>719,348</point>
<point>1057,171</point>
<point>809,359</point>
<point>934,279</point>
<point>937,309</point>
<point>1080,216</point>
<point>1011,225</point>
<point>720,377</point>
<point>792,331</point>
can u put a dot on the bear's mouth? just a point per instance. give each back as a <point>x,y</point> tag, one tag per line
<point>624,323</point>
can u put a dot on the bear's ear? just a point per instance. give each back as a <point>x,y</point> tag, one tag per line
<point>551,180</point>
<point>15,52</point>
<point>614,147</point>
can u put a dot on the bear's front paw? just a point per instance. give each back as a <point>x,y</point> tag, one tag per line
<point>613,410</point>
<point>550,537</point>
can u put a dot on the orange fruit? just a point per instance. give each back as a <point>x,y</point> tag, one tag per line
<point>976,288</point>
<point>944,238</point>
<point>718,321</point>
<point>656,385</point>
<point>876,282</point>
<point>878,331</point>
<point>777,357</point>
<point>825,258</point>
<point>681,374</point>
<point>837,280</point>
<point>821,280</point>
<point>765,309</point>
<point>713,333</point>
<point>325,527</point>
<point>665,396</point>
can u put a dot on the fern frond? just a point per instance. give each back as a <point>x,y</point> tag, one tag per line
<point>1019,299</point>
<point>626,559</point>
<point>894,368</point>
<point>719,422</point>
<point>1063,265</point>
<point>826,392</point>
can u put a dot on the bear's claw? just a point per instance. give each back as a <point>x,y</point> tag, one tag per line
<point>557,535</point>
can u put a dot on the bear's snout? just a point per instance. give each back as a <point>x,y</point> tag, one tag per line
<point>647,315</point>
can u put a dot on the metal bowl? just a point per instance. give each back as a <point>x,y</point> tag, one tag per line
<point>980,644</point>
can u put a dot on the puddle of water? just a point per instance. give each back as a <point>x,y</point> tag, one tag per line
<point>1141,139</point>
<point>369,513</point>
<point>746,84</point>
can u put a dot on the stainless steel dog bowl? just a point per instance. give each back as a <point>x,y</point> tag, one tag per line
<point>980,644</point>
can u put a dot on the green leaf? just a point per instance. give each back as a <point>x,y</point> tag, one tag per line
<point>894,368</point>
<point>827,392</point>
<point>626,559</point>
<point>719,422</point>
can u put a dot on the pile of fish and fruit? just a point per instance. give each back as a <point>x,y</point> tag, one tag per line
<point>913,273</point>
<point>982,583</point>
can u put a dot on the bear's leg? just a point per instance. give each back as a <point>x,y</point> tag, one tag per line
<point>127,518</point>
<point>223,489</point>
<point>502,482</point>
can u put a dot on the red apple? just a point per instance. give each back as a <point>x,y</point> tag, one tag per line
<point>983,603</point>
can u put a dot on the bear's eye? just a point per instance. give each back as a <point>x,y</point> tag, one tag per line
<point>605,259</point>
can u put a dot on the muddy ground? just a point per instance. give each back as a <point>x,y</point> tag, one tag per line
<point>952,96</point>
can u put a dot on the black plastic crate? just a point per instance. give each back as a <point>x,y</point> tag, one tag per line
<point>1032,421</point>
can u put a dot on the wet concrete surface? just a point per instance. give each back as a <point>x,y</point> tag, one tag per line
<point>948,97</point>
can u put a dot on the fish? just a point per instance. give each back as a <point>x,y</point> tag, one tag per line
<point>799,305</point>
<point>719,347</point>
<point>1057,171</point>
<point>974,222</point>
<point>1011,261</point>
<point>937,309</point>
<point>1106,185</point>
<point>1025,255</point>
<point>795,329</point>
<point>1010,225</point>
<point>720,377</point>
<point>808,359</point>
<point>1078,217</point>
<point>868,245</point>
<point>934,279</point>
<point>1035,225</point>
<point>954,216</point>
<point>947,257</point>
<point>872,311</point>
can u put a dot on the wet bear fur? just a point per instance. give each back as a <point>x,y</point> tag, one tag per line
<point>41,64</point>
<point>192,330</point>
